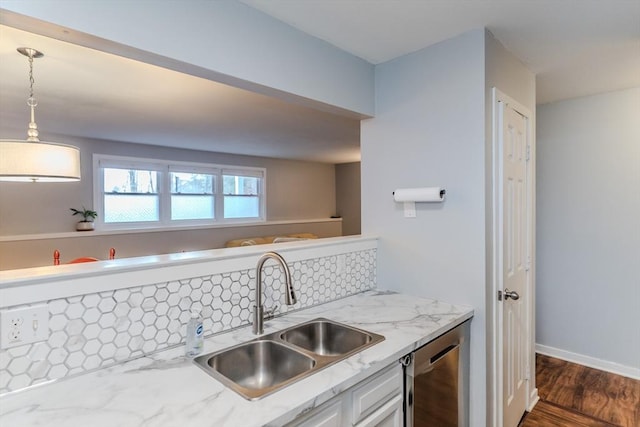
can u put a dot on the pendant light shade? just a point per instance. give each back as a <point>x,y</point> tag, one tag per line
<point>25,161</point>
<point>31,160</point>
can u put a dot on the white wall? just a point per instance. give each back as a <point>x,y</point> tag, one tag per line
<point>429,131</point>
<point>433,128</point>
<point>348,194</point>
<point>588,208</point>
<point>223,40</point>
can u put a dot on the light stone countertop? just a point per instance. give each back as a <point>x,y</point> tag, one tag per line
<point>166,389</point>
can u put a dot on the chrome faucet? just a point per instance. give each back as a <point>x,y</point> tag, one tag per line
<point>290,295</point>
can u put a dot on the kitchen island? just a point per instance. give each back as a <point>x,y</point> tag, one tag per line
<point>167,389</point>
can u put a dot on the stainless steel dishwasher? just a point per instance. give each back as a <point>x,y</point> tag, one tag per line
<point>436,389</point>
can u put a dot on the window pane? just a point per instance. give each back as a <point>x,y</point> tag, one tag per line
<point>241,207</point>
<point>130,208</point>
<point>142,191</point>
<point>192,207</point>
<point>191,183</point>
<point>245,185</point>
<point>130,181</point>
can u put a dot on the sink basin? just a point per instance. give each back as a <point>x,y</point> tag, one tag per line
<point>266,364</point>
<point>257,366</point>
<point>326,338</point>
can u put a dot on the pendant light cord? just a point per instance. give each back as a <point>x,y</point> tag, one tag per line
<point>32,133</point>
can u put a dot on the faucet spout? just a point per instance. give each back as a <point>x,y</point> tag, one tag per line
<point>290,295</point>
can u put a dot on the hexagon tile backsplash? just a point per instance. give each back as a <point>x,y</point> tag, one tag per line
<point>97,330</point>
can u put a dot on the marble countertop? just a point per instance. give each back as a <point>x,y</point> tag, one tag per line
<point>166,389</point>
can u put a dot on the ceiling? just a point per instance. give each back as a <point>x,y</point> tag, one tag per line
<point>575,47</point>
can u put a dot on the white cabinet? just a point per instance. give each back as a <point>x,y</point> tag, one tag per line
<point>389,415</point>
<point>374,402</point>
<point>331,414</point>
<point>373,393</point>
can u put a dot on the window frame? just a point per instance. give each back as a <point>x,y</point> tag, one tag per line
<point>242,173</point>
<point>164,169</point>
<point>196,169</point>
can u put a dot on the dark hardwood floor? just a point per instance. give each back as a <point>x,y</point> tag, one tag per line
<point>573,395</point>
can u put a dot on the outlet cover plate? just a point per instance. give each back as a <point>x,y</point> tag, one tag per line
<point>24,325</point>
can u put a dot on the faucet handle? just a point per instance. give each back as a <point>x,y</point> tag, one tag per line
<point>270,313</point>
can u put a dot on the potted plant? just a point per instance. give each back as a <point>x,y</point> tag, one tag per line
<point>87,218</point>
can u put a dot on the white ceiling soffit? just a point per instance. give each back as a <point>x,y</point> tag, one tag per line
<point>576,47</point>
<point>87,93</point>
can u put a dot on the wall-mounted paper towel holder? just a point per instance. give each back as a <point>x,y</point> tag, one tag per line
<point>409,196</point>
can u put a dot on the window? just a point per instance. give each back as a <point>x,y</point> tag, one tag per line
<point>192,195</point>
<point>130,195</point>
<point>136,193</point>
<point>241,195</point>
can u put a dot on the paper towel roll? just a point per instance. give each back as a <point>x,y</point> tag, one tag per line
<point>424,194</point>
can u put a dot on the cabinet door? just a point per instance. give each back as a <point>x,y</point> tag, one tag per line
<point>374,392</point>
<point>328,415</point>
<point>389,415</point>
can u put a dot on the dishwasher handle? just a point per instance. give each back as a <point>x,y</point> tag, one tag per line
<point>443,353</point>
<point>423,364</point>
<point>426,357</point>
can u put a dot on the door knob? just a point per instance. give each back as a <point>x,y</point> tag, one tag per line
<point>511,294</point>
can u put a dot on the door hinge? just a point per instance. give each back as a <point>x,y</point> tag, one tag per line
<point>528,156</point>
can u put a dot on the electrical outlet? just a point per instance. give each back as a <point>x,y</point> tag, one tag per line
<point>25,325</point>
<point>14,335</point>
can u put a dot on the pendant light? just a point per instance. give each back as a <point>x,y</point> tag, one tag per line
<point>33,160</point>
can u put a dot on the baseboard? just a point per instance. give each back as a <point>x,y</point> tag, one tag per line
<point>533,399</point>
<point>592,362</point>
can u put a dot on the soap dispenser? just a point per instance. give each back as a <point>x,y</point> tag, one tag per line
<point>195,335</point>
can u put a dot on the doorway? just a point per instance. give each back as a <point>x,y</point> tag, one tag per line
<point>511,289</point>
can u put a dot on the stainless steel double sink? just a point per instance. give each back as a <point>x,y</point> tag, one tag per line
<point>268,363</point>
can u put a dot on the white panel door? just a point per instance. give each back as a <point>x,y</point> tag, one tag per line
<point>514,262</point>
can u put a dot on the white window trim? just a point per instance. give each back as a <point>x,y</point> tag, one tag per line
<point>164,167</point>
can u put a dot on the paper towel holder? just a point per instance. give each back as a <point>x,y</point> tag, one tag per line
<point>409,197</point>
<point>442,192</point>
